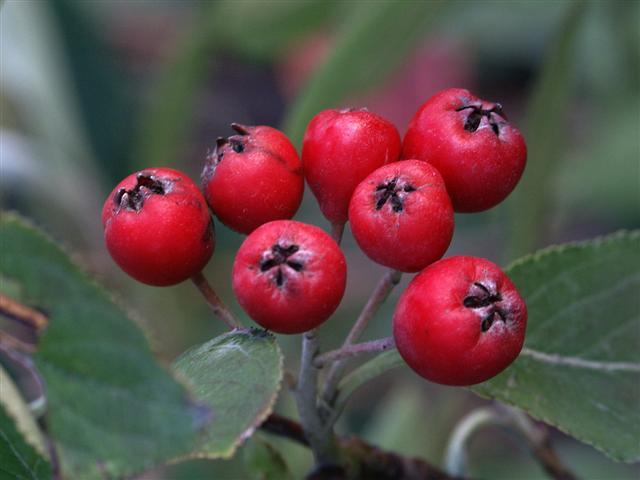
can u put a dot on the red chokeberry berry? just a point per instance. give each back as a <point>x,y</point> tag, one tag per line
<point>401,215</point>
<point>480,155</point>
<point>289,276</point>
<point>157,226</point>
<point>460,321</point>
<point>253,178</point>
<point>342,147</point>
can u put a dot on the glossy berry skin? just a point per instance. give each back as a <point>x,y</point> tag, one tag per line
<point>157,226</point>
<point>340,148</point>
<point>401,215</point>
<point>480,155</point>
<point>289,276</point>
<point>252,178</point>
<point>460,321</point>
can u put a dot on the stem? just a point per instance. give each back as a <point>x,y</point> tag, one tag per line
<point>540,445</point>
<point>217,306</point>
<point>321,440</point>
<point>349,351</point>
<point>389,280</point>
<point>456,453</point>
<point>337,230</point>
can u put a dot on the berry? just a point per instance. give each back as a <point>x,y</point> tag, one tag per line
<point>253,178</point>
<point>460,321</point>
<point>401,215</point>
<point>480,155</point>
<point>340,148</point>
<point>289,276</point>
<point>157,226</point>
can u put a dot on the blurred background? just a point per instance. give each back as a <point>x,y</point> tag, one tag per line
<point>95,89</point>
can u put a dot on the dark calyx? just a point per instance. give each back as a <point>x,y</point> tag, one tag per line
<point>480,297</point>
<point>495,116</point>
<point>393,191</point>
<point>278,258</point>
<point>134,198</point>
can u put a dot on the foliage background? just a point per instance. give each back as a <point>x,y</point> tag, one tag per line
<point>92,90</point>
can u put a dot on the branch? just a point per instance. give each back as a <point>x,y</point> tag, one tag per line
<point>320,439</point>
<point>540,445</point>
<point>362,460</point>
<point>377,298</point>
<point>349,351</point>
<point>219,309</point>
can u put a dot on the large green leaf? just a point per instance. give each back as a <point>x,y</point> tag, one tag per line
<point>238,376</point>
<point>580,368</point>
<point>18,459</point>
<point>112,409</point>
<point>368,48</point>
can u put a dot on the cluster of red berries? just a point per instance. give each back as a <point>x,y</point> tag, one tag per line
<point>460,321</point>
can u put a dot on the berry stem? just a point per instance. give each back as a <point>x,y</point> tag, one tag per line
<point>353,350</point>
<point>321,440</point>
<point>337,230</point>
<point>380,293</point>
<point>219,309</point>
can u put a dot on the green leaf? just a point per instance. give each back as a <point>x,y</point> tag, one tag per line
<point>113,410</point>
<point>370,46</point>
<point>545,133</point>
<point>263,461</point>
<point>16,408</point>
<point>580,368</point>
<point>18,460</point>
<point>238,376</point>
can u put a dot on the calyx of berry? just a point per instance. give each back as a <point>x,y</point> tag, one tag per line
<point>481,297</point>
<point>393,191</point>
<point>494,115</point>
<point>146,185</point>
<point>278,258</point>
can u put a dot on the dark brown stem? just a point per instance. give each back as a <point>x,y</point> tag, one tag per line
<point>377,298</point>
<point>217,306</point>
<point>540,444</point>
<point>337,230</point>
<point>361,459</point>
<point>349,351</point>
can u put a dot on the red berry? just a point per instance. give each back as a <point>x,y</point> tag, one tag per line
<point>480,155</point>
<point>460,321</point>
<point>157,226</point>
<point>401,215</point>
<point>340,148</point>
<point>289,276</point>
<point>253,178</point>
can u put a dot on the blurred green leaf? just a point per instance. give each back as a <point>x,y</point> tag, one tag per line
<point>580,368</point>
<point>366,372</point>
<point>263,33</point>
<point>238,376</point>
<point>16,408</point>
<point>19,460</point>
<point>369,47</point>
<point>112,409</point>
<point>98,87</point>
<point>264,462</point>
<point>546,134</point>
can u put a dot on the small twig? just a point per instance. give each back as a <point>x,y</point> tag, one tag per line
<point>337,230</point>
<point>16,311</point>
<point>455,460</point>
<point>380,293</point>
<point>540,444</point>
<point>319,438</point>
<point>353,350</point>
<point>217,306</point>
<point>285,427</point>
